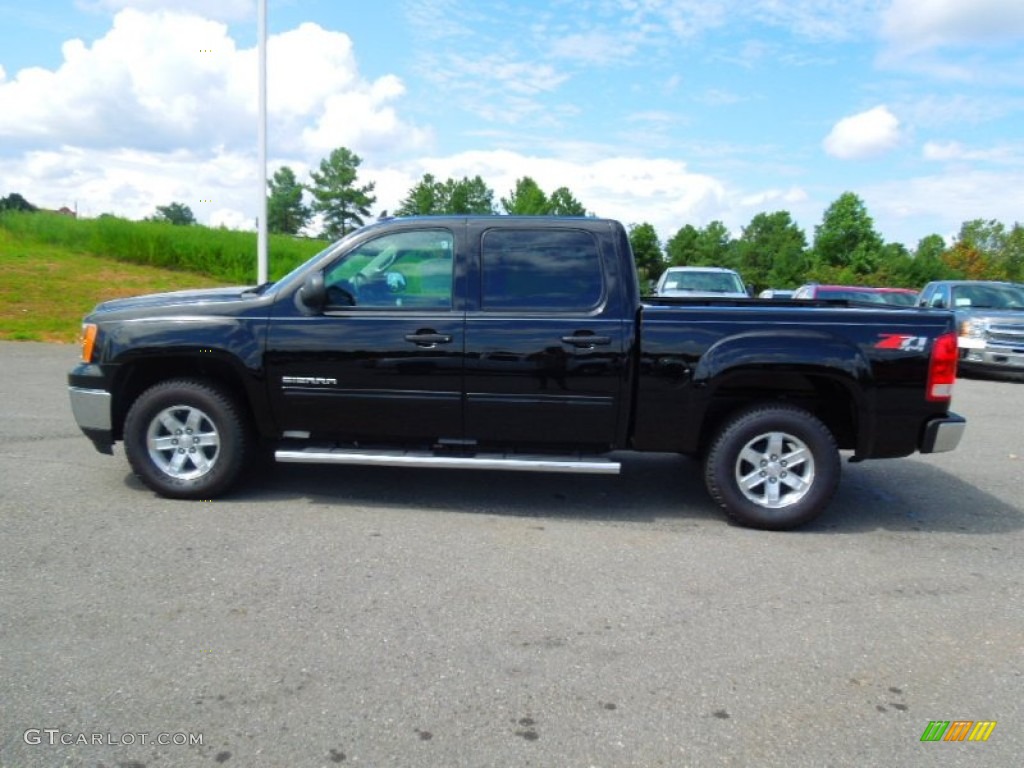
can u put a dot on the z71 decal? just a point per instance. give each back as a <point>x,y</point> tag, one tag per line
<point>903,343</point>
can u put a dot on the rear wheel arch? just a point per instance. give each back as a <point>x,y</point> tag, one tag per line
<point>831,399</point>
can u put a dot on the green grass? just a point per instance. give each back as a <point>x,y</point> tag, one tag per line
<point>46,289</point>
<point>223,254</point>
<point>54,269</point>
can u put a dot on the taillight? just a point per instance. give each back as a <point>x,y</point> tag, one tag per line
<point>942,368</point>
<point>88,341</point>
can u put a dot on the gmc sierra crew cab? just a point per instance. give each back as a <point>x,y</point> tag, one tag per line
<point>515,343</point>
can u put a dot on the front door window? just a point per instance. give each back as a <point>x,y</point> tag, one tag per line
<point>410,270</point>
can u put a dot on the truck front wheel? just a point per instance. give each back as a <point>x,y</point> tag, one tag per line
<point>773,467</point>
<point>186,439</point>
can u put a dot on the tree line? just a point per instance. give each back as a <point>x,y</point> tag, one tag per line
<point>771,251</point>
<point>344,203</point>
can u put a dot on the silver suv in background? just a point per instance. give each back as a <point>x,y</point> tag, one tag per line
<point>701,282</point>
<point>989,319</point>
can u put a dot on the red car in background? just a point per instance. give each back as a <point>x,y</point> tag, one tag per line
<point>904,297</point>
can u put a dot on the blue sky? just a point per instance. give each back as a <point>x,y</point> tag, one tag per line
<point>671,112</point>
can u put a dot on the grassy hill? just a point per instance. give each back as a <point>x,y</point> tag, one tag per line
<point>54,269</point>
<point>46,289</point>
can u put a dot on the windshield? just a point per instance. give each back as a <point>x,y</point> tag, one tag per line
<point>899,298</point>
<point>284,281</point>
<point>849,294</point>
<point>988,296</point>
<point>705,282</point>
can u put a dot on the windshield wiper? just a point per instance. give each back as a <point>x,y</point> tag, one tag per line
<point>258,289</point>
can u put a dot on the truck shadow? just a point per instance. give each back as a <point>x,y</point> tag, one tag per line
<point>913,495</point>
<point>902,495</point>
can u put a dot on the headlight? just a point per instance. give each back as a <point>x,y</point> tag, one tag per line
<point>88,341</point>
<point>974,328</point>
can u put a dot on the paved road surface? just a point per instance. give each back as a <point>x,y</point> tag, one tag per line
<point>384,617</point>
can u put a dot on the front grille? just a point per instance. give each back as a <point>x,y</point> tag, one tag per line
<point>1007,334</point>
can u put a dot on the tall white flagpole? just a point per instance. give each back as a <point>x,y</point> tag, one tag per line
<point>261,227</point>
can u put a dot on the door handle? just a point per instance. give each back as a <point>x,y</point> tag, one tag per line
<point>586,341</point>
<point>427,339</point>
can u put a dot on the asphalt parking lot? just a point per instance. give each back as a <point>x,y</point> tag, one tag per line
<point>385,617</point>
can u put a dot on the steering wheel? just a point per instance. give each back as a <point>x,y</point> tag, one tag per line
<point>388,261</point>
<point>345,293</point>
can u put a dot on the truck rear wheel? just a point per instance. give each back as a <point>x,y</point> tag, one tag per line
<point>186,439</point>
<point>773,467</point>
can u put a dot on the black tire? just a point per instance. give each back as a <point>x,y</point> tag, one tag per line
<point>187,439</point>
<point>788,459</point>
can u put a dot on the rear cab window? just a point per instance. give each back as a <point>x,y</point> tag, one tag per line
<point>541,270</point>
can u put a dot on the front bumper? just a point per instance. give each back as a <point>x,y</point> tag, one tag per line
<point>998,347</point>
<point>942,434</point>
<point>981,357</point>
<point>92,411</point>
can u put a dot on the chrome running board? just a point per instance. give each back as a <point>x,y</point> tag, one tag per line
<point>508,462</point>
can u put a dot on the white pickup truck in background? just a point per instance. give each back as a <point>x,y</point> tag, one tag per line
<point>701,282</point>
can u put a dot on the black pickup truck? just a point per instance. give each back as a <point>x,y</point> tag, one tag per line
<point>516,343</point>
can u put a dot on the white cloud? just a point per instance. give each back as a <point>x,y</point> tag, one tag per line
<point>818,19</point>
<point>519,76</point>
<point>339,126</point>
<point>598,47</point>
<point>662,192</point>
<point>863,135</point>
<point>959,110</point>
<point>496,84</point>
<point>812,19</point>
<point>774,197</point>
<point>912,25</point>
<point>949,150</point>
<point>655,118</point>
<point>131,183</point>
<point>305,65</point>
<point>685,18</point>
<point>908,209</point>
<point>162,108</point>
<point>163,80</point>
<point>717,97</point>
<point>1003,155</point>
<point>143,83</point>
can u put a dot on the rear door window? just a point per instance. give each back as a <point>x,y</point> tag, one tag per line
<point>544,270</point>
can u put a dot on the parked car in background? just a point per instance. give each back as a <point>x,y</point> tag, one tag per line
<point>901,297</point>
<point>701,282</point>
<point>775,293</point>
<point>989,319</point>
<point>898,296</point>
